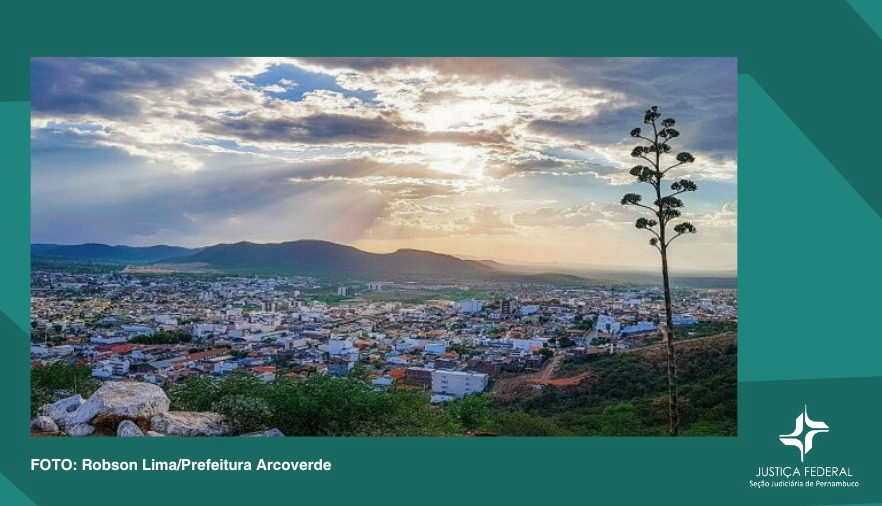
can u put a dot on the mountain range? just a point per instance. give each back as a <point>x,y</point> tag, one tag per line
<point>112,254</point>
<point>335,261</point>
<point>305,257</point>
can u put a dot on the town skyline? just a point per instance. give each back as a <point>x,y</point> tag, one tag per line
<point>521,160</point>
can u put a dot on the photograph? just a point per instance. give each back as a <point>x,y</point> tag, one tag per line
<point>384,246</point>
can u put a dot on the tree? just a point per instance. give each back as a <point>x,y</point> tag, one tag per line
<point>664,210</point>
<point>57,380</point>
<point>244,414</point>
<point>470,411</point>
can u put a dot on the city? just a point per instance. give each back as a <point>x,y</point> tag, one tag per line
<point>162,329</point>
<point>308,246</point>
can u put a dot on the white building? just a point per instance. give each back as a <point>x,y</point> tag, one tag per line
<point>469,306</point>
<point>529,310</point>
<point>641,326</point>
<point>607,324</point>
<point>62,350</point>
<point>206,329</point>
<point>684,319</point>
<point>338,346</point>
<point>377,286</point>
<point>435,349</point>
<point>224,367</point>
<point>458,383</point>
<point>108,339</point>
<point>526,344</point>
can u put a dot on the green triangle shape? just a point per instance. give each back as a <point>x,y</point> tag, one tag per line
<point>808,244</point>
<point>871,12</point>
<point>10,495</point>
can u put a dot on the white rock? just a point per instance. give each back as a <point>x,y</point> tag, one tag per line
<point>61,411</point>
<point>44,424</point>
<point>79,429</point>
<point>124,399</point>
<point>127,428</point>
<point>189,423</point>
<point>154,434</point>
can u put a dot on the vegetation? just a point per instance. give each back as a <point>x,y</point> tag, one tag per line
<point>664,210</point>
<point>625,394</point>
<point>244,414</point>
<point>58,380</point>
<point>703,329</point>
<point>163,337</point>
<point>622,395</point>
<point>315,405</point>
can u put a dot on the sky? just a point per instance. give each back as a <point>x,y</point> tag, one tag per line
<point>510,159</point>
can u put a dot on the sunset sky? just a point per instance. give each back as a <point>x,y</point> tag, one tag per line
<point>513,159</point>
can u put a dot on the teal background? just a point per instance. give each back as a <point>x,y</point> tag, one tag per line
<point>809,225</point>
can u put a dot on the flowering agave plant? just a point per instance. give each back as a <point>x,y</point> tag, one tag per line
<point>664,211</point>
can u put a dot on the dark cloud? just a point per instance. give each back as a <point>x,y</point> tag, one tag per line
<point>108,86</point>
<point>328,129</point>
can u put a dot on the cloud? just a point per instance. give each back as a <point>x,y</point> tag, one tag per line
<point>110,87</point>
<point>191,149</point>
<point>570,217</point>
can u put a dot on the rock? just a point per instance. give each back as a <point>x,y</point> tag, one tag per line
<point>61,411</point>
<point>117,400</point>
<point>265,433</point>
<point>44,424</point>
<point>127,428</point>
<point>154,434</point>
<point>79,429</point>
<point>190,423</point>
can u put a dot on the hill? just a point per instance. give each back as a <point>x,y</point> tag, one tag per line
<point>327,259</point>
<point>92,252</point>
<point>625,394</point>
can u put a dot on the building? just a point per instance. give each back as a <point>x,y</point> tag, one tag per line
<point>528,310</point>
<point>435,349</point>
<point>607,324</point>
<point>639,328</point>
<point>505,307</point>
<point>684,319</point>
<point>525,345</point>
<point>383,383</point>
<point>338,346</point>
<point>446,363</point>
<point>339,368</point>
<point>458,383</point>
<point>419,376</point>
<point>469,306</point>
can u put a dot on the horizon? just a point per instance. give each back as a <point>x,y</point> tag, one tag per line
<point>506,159</point>
<point>505,262</point>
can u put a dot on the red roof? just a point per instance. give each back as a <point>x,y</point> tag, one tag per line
<point>264,369</point>
<point>120,349</point>
<point>199,355</point>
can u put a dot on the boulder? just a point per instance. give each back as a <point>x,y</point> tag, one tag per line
<point>127,428</point>
<point>79,429</point>
<point>265,433</point>
<point>189,423</point>
<point>44,424</point>
<point>154,434</point>
<point>61,411</point>
<point>117,400</point>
